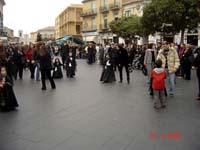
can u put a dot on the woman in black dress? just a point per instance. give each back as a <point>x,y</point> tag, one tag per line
<point>57,72</point>
<point>70,66</point>
<point>8,100</point>
<point>108,75</point>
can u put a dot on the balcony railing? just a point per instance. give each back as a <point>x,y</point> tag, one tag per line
<point>115,6</point>
<point>104,9</point>
<point>103,27</point>
<point>89,13</point>
<point>89,28</point>
<point>73,19</point>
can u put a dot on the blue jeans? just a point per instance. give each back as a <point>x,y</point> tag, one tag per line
<point>171,82</point>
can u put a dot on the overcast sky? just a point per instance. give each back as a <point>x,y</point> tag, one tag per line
<point>31,15</point>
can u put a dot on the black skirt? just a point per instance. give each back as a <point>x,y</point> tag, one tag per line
<point>57,73</point>
<point>8,100</point>
<point>108,75</point>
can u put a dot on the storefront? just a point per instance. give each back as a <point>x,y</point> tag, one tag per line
<point>90,37</point>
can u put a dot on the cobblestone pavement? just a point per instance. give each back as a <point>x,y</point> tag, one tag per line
<point>83,114</point>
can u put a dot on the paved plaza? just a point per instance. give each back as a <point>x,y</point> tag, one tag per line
<point>83,114</point>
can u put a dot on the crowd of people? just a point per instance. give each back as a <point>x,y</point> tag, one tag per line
<point>159,61</point>
<point>43,61</point>
<point>162,61</point>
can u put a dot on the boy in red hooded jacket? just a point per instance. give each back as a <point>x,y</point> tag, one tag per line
<point>158,76</point>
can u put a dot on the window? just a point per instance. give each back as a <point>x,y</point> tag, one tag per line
<point>85,25</point>
<point>78,29</point>
<point>105,22</point>
<point>116,2</point>
<point>127,13</point>
<point>93,23</point>
<point>105,3</point>
<point>93,6</point>
<point>115,15</point>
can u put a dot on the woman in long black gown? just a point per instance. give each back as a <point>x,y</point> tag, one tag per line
<point>108,75</point>
<point>8,100</point>
<point>57,72</point>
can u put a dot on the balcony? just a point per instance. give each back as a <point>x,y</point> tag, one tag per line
<point>104,9</point>
<point>89,29</point>
<point>89,13</point>
<point>73,19</point>
<point>103,27</point>
<point>115,6</point>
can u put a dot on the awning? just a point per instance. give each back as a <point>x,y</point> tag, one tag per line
<point>72,39</point>
<point>69,38</point>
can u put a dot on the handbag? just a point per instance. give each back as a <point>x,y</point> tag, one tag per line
<point>144,71</point>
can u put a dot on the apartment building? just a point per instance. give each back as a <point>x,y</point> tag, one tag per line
<point>97,14</point>
<point>69,22</point>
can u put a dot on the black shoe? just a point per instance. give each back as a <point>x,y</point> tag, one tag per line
<point>120,81</point>
<point>128,81</point>
<point>156,107</point>
<point>44,88</point>
<point>151,94</point>
<point>163,106</point>
<point>53,87</point>
<point>198,98</point>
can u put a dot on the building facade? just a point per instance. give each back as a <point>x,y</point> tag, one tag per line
<point>2,3</point>
<point>33,37</point>
<point>133,7</point>
<point>69,22</point>
<point>9,34</point>
<point>47,34</point>
<point>97,14</point>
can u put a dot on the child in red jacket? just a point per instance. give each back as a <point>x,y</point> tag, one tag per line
<point>158,76</point>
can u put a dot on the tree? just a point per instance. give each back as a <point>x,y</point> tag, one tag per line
<point>181,14</point>
<point>127,28</point>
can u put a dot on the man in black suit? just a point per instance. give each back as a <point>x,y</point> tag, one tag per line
<point>123,62</point>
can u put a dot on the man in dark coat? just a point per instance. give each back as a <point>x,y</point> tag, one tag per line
<point>91,52</point>
<point>123,62</point>
<point>64,51</point>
